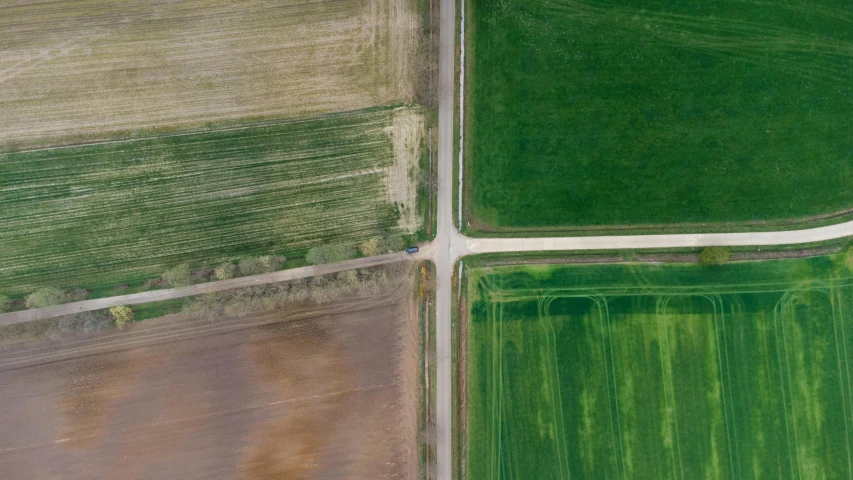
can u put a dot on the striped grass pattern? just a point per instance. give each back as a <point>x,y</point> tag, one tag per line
<point>95,215</point>
<point>666,372</point>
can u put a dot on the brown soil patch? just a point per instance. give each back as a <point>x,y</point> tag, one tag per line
<point>319,392</point>
<point>78,69</point>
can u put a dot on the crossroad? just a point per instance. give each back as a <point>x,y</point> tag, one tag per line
<point>449,247</point>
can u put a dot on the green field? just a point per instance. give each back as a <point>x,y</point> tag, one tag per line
<point>628,112</point>
<point>662,372</point>
<point>95,215</point>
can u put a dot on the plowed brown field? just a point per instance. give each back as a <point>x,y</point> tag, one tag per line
<point>93,67</point>
<point>320,392</point>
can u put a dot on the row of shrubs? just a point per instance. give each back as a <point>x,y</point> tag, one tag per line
<point>233,302</point>
<point>183,275</point>
<point>179,276</point>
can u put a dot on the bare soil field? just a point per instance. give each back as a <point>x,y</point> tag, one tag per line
<point>316,392</point>
<point>92,68</point>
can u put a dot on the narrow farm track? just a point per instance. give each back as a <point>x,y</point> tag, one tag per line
<point>172,293</point>
<point>450,246</point>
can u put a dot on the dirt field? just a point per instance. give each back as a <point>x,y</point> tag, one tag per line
<point>91,68</point>
<point>325,392</point>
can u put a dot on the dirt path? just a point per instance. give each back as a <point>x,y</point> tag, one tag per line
<point>446,236</point>
<point>210,287</point>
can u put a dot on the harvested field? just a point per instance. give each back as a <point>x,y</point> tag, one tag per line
<point>317,392</point>
<point>97,215</point>
<point>92,68</point>
<point>675,371</point>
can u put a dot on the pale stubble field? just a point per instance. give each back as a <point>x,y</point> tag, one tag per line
<point>90,69</point>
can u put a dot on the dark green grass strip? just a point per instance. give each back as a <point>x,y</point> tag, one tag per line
<point>666,372</point>
<point>637,113</point>
<point>96,215</point>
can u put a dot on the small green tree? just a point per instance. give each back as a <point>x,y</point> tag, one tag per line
<point>180,276</point>
<point>224,271</point>
<point>5,304</point>
<point>348,278</point>
<point>122,315</point>
<point>370,247</point>
<point>46,297</point>
<point>330,254</point>
<point>272,263</point>
<point>394,243</point>
<point>715,256</point>
<point>251,266</point>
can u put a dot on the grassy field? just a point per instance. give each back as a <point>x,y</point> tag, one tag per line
<point>674,371</point>
<point>628,113</point>
<point>96,215</point>
<point>84,68</point>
